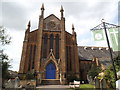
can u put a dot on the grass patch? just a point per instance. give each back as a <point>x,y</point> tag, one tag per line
<point>86,86</point>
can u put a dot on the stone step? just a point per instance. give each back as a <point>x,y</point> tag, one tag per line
<point>50,82</point>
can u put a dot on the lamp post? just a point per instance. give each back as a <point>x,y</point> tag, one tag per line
<point>114,70</point>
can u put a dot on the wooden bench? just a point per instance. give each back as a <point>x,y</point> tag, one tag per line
<point>75,84</point>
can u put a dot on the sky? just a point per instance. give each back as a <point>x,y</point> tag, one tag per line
<point>84,14</point>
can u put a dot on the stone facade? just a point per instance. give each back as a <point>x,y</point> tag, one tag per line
<point>50,46</point>
<point>50,43</point>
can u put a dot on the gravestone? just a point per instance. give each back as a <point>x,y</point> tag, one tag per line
<point>118,81</point>
<point>9,84</point>
<point>97,83</point>
<point>118,84</point>
<point>13,83</point>
<point>17,82</point>
<point>103,83</point>
<point>90,80</point>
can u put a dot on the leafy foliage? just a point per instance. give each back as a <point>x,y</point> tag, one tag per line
<point>30,76</point>
<point>5,62</point>
<point>5,65</point>
<point>71,77</point>
<point>4,38</point>
<point>94,71</point>
<point>109,74</point>
<point>22,77</point>
<point>27,76</point>
<point>117,61</point>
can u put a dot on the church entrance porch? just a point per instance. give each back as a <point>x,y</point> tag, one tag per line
<point>50,82</point>
<point>50,71</point>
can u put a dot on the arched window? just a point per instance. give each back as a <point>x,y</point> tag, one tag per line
<point>45,46</point>
<point>51,41</point>
<point>30,58</point>
<point>70,51</point>
<point>57,46</point>
<point>67,57</point>
<point>34,52</point>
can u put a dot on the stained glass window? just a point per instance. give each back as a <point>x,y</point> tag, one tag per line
<point>45,46</point>
<point>51,41</point>
<point>30,58</point>
<point>34,56</point>
<point>57,47</point>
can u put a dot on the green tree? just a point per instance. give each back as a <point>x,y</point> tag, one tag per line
<point>71,77</point>
<point>117,61</point>
<point>94,71</point>
<point>109,74</point>
<point>5,65</point>
<point>4,60</point>
<point>4,38</point>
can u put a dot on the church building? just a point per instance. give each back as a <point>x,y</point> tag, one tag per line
<point>50,50</point>
<point>53,54</point>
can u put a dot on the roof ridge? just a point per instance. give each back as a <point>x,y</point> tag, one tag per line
<point>93,46</point>
<point>51,15</point>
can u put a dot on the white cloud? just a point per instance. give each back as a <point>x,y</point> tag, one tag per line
<point>84,16</point>
<point>14,50</point>
<point>101,43</point>
<point>84,42</point>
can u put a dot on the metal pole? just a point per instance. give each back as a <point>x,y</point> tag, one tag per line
<point>114,70</point>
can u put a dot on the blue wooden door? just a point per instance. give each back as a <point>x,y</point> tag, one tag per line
<point>50,71</point>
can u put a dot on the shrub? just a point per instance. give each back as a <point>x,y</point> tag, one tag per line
<point>30,76</point>
<point>71,78</point>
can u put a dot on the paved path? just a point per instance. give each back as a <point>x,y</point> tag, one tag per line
<point>53,87</point>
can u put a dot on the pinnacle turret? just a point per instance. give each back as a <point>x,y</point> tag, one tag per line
<point>73,28</point>
<point>61,10</point>
<point>28,27</point>
<point>42,10</point>
<point>29,24</point>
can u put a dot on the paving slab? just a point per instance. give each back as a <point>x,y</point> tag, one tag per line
<point>53,87</point>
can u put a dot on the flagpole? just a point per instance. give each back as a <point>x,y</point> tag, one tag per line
<point>114,70</point>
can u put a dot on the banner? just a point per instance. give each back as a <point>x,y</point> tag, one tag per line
<point>98,35</point>
<point>114,37</point>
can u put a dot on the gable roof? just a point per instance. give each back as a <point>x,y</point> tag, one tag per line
<point>88,53</point>
<point>53,16</point>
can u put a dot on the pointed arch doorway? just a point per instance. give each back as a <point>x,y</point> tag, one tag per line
<point>50,71</point>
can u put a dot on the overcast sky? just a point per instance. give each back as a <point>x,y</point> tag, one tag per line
<point>84,15</point>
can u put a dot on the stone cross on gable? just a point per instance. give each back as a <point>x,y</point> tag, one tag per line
<point>51,50</point>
